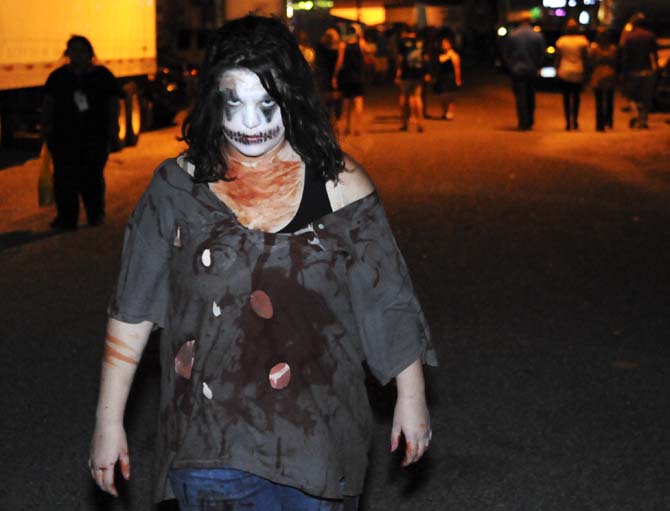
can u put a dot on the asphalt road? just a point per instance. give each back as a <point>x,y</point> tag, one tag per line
<point>541,260</point>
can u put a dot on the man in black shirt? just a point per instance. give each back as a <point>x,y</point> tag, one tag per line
<point>523,51</point>
<point>639,52</point>
<point>79,118</point>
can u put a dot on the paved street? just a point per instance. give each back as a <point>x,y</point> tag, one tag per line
<point>541,259</point>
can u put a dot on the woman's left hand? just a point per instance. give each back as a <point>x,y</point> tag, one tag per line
<point>412,420</point>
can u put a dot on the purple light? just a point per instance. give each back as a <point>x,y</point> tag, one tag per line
<point>560,12</point>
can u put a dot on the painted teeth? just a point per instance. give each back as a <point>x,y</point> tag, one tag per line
<point>242,138</point>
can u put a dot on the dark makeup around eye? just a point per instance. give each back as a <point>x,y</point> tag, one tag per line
<point>269,111</point>
<point>229,110</point>
<point>229,95</point>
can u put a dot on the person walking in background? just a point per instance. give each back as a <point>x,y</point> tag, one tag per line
<point>571,60</point>
<point>447,77</point>
<point>602,61</point>
<point>79,118</point>
<point>522,52</point>
<point>627,29</point>
<point>327,51</point>
<point>639,63</point>
<point>306,48</point>
<point>236,251</point>
<point>349,78</point>
<point>411,72</point>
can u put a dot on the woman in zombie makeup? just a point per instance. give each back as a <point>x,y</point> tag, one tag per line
<point>264,255</point>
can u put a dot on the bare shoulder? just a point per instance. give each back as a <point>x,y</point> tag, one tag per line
<point>353,184</point>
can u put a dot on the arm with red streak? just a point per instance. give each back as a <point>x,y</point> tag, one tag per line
<point>109,444</point>
<point>411,418</point>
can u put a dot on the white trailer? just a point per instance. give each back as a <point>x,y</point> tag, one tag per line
<point>33,34</point>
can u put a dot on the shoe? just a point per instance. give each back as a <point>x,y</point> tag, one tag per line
<point>403,128</point>
<point>419,129</point>
<point>96,222</point>
<point>449,117</point>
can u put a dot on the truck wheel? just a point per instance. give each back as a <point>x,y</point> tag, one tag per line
<point>119,138</point>
<point>129,119</point>
<point>133,117</point>
<point>147,114</point>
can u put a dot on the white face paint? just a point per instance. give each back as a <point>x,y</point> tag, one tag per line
<point>252,121</point>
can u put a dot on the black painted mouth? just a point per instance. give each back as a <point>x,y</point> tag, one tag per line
<point>256,138</point>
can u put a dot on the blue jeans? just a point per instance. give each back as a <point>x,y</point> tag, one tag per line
<point>225,489</point>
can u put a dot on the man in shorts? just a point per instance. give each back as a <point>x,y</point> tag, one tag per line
<point>410,75</point>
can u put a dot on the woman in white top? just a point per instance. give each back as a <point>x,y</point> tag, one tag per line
<point>571,54</point>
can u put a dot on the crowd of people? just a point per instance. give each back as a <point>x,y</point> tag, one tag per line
<point>344,60</point>
<point>82,97</point>
<point>600,63</point>
<point>430,62</point>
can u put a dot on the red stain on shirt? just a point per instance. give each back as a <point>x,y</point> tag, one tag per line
<point>183,362</point>
<point>280,376</point>
<point>261,304</point>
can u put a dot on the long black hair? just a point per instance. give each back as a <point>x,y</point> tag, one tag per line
<point>266,47</point>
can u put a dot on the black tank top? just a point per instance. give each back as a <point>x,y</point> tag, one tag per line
<point>313,204</point>
<point>352,66</point>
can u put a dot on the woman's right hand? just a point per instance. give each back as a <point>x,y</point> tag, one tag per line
<point>108,445</point>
